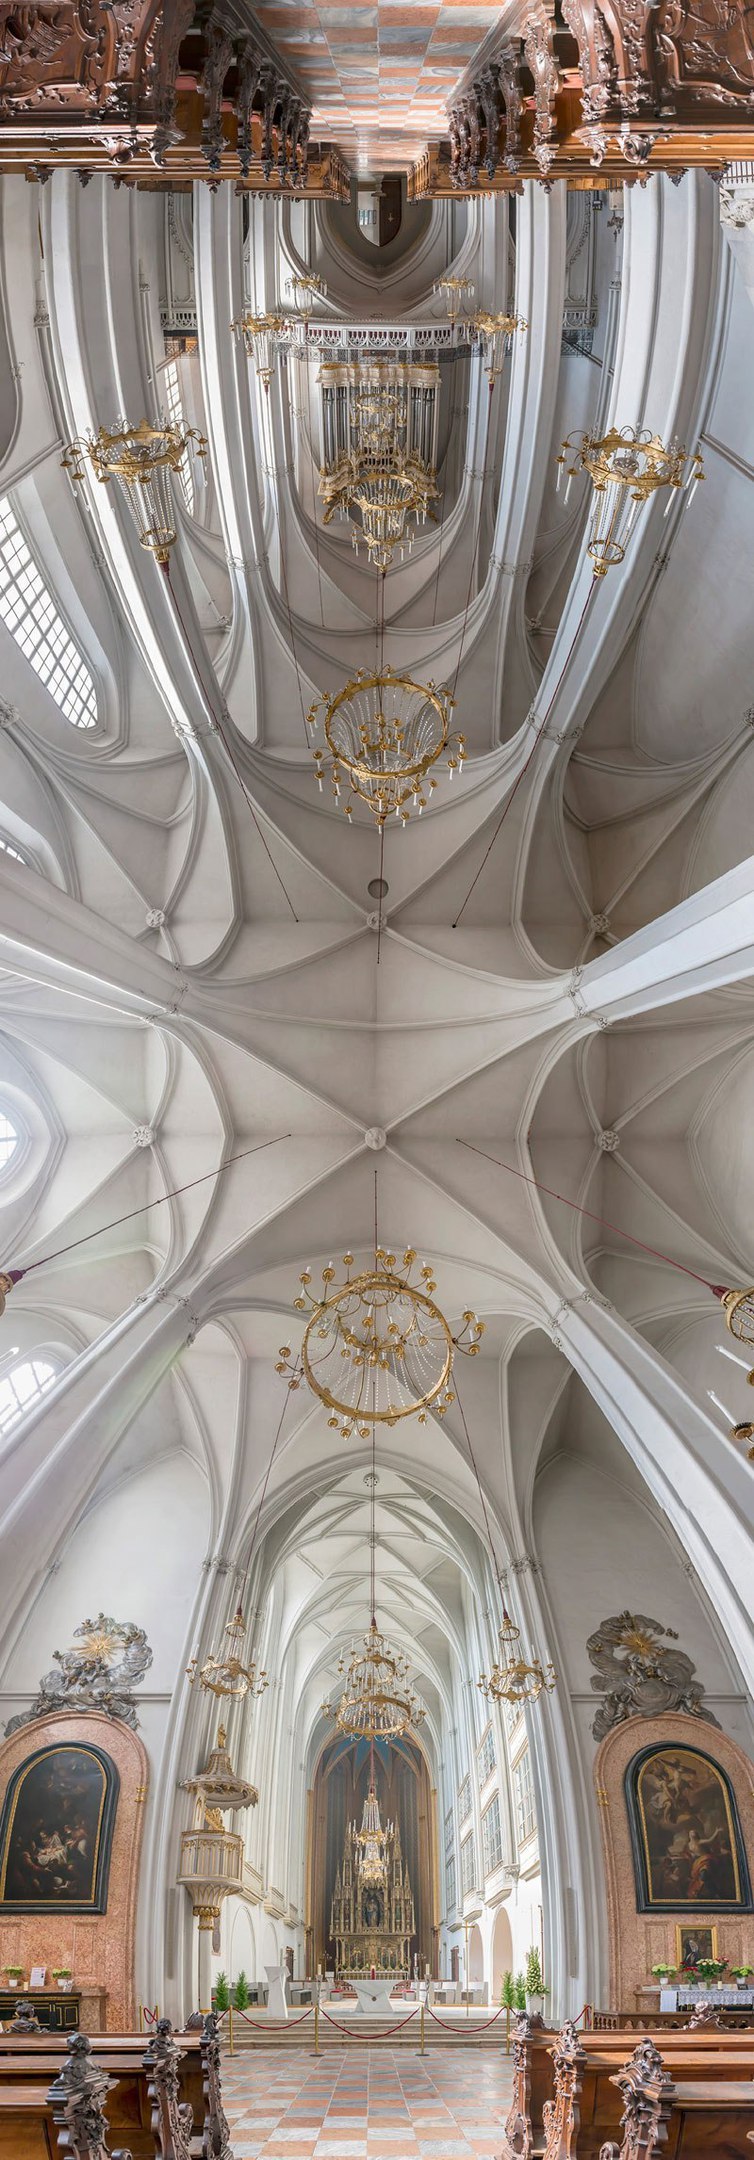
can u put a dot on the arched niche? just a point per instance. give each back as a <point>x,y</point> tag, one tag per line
<point>502,1951</point>
<point>337,1798</point>
<point>94,1937</point>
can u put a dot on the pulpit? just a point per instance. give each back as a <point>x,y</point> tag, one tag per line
<point>277,2005</point>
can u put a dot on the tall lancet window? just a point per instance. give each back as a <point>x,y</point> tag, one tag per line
<point>29,612</point>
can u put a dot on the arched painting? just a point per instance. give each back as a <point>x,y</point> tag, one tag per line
<point>688,1851</point>
<point>56,1831</point>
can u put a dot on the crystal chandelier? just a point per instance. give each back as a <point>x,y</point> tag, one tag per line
<point>382,733</point>
<point>262,335</point>
<point>512,1679</point>
<point>304,287</point>
<point>626,466</point>
<point>455,291</point>
<point>379,423</point>
<point>140,460</point>
<point>493,334</point>
<point>387,491</point>
<point>376,1347</point>
<point>226,1672</point>
<point>378,1701</point>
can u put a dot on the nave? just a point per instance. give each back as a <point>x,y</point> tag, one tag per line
<point>376,1170</point>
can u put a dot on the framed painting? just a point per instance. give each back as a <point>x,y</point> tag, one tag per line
<point>692,1944</point>
<point>56,1831</point>
<point>689,1855</point>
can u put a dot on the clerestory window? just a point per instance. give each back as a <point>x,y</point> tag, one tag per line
<point>8,1140</point>
<point>175,413</point>
<point>20,1386</point>
<point>15,852</point>
<point>29,612</point>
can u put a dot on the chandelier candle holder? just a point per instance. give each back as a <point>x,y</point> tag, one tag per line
<point>262,336</point>
<point>627,466</point>
<point>303,289</point>
<point>226,1672</point>
<point>512,1679</point>
<point>455,292</point>
<point>376,1347</point>
<point>141,461</point>
<point>378,1701</point>
<point>493,335</point>
<point>383,734</point>
<point>391,492</point>
<point>738,1306</point>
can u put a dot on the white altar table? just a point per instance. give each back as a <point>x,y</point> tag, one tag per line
<point>374,1997</point>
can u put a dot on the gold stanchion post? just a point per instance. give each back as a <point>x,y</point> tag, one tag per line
<point>230,2028</point>
<point>141,2018</point>
<point>316,2023</point>
<point>421,2027</point>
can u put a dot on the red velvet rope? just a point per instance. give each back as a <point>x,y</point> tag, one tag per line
<point>275,2024</point>
<point>149,2016</point>
<point>467,2032</point>
<point>351,2035</point>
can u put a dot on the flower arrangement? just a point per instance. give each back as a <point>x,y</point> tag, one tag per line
<point>61,1972</point>
<point>742,1973</point>
<point>13,1972</point>
<point>664,1972</point>
<point>711,1969</point>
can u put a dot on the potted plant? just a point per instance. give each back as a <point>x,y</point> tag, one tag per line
<point>221,1993</point>
<point>742,1973</point>
<point>710,1970</point>
<point>534,1985</point>
<point>13,1974</point>
<point>519,1992</point>
<point>508,1992</point>
<point>241,1993</point>
<point>664,1973</point>
<point>61,1973</point>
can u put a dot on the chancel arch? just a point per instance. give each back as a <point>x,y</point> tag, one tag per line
<point>355,1925</point>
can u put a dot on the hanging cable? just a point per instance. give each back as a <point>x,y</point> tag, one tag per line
<point>16,1275</point>
<point>716,1288</point>
<point>527,761</point>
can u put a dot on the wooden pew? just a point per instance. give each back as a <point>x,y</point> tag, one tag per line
<point>168,2091</point>
<point>581,2119</point>
<point>683,2121</point>
<point>570,2075</point>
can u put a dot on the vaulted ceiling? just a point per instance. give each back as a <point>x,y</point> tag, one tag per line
<point>557,978</point>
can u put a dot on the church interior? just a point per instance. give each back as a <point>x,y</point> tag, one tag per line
<point>376,964</point>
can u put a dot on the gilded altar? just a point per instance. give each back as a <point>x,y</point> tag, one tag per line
<point>372,1916</point>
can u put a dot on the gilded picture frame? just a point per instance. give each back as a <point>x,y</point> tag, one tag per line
<point>693,1942</point>
<point>56,1831</point>
<point>688,1850</point>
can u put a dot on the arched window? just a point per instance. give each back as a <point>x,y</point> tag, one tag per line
<point>175,413</point>
<point>29,612</point>
<point>8,1140</point>
<point>8,849</point>
<point>21,1385</point>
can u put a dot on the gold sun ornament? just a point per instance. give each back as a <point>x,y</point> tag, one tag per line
<point>376,1346</point>
<point>626,466</point>
<point>140,461</point>
<point>513,1679</point>
<point>383,736</point>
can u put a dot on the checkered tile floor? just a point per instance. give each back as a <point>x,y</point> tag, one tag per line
<point>366,2103</point>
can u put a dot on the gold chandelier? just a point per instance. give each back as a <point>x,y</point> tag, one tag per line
<point>140,460</point>
<point>738,1306</point>
<point>512,1679</point>
<point>455,291</point>
<point>376,1347</point>
<point>493,334</point>
<point>262,336</point>
<point>383,732</point>
<point>378,1701</point>
<point>225,1672</point>
<point>626,466</point>
<point>304,288</point>
<point>390,489</point>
